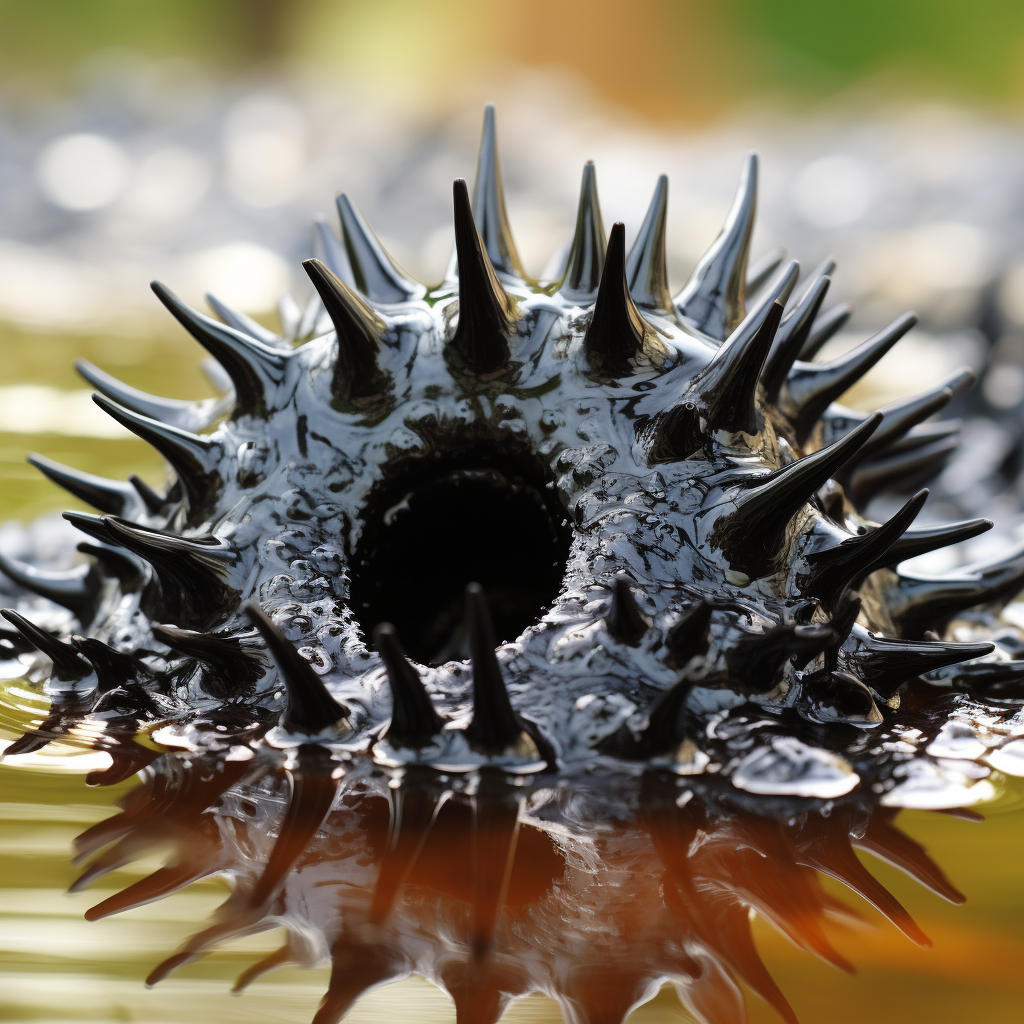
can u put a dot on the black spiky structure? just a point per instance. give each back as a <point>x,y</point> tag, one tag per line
<point>680,464</point>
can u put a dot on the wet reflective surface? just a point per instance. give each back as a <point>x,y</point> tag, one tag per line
<point>382,895</point>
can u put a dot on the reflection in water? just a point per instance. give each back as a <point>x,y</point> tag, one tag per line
<point>493,889</point>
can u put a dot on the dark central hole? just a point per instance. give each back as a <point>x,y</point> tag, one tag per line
<point>423,542</point>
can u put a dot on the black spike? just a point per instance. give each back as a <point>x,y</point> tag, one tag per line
<point>414,722</point>
<point>728,386</point>
<point>193,572</point>
<point>240,322</point>
<point>67,663</point>
<point>195,459</point>
<point>931,538</point>
<point>118,564</point>
<point>647,264</point>
<point>75,589</point>
<point>175,413</point>
<point>225,653</point>
<point>624,620</point>
<point>586,256</point>
<point>713,298</point>
<point>778,291</point>
<point>824,327</point>
<point>812,387</point>
<point>616,331</point>
<point>753,533</point>
<point>495,726</point>
<point>901,470</point>
<point>110,496</point>
<point>113,667</point>
<point>665,726</point>
<point>999,680</point>
<point>846,565</point>
<point>919,603</point>
<point>792,335</point>
<point>311,709</point>
<point>489,205</point>
<point>689,636</point>
<point>309,802</point>
<point>376,274</point>
<point>331,252</point>
<point>92,526</point>
<point>155,502</point>
<point>885,663</point>
<point>903,415</point>
<point>760,273</point>
<point>487,312</point>
<point>256,370</point>
<point>757,660</point>
<point>360,332</point>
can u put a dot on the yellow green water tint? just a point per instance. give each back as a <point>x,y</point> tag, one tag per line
<point>56,967</point>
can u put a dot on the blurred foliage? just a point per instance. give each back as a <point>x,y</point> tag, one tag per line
<point>683,57</point>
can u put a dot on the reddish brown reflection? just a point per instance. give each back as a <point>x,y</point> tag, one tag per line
<point>494,889</point>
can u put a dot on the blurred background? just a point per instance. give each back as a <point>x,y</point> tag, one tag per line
<point>195,140</point>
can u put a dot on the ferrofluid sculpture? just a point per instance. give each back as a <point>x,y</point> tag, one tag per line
<point>660,669</point>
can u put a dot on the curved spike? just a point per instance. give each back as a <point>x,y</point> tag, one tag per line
<point>413,810</point>
<point>905,470</point>
<point>360,332</point>
<point>616,331</point>
<point>486,310</point>
<point>110,496</point>
<point>888,843</point>
<point>311,708</point>
<point>193,572</point>
<point>729,384</point>
<point>489,205</point>
<point>226,653</point>
<point>792,335</point>
<point>624,620</point>
<point>240,322</point>
<point>376,274</point>
<point>752,534</point>
<point>355,969</point>
<point>256,370</point>
<point>195,459</point>
<point>495,834</point>
<point>495,726</point>
<point>885,663</point>
<point>175,413</point>
<point>279,958</point>
<point>836,568</point>
<point>647,264</point>
<point>918,603</point>
<point>92,526</point>
<point>727,388</point>
<point>331,252</point>
<point>67,663</point>
<point>901,416</point>
<point>414,722</point>
<point>75,589</point>
<point>931,538</point>
<point>586,255</point>
<point>811,387</point>
<point>113,667</point>
<point>689,636</point>
<point>665,728</point>
<point>155,503</point>
<point>713,298</point>
<point>760,273</point>
<point>309,803</point>
<point>118,564</point>
<point>824,327</point>
<point>758,659</point>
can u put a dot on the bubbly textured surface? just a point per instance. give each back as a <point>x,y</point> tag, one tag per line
<point>651,504</point>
